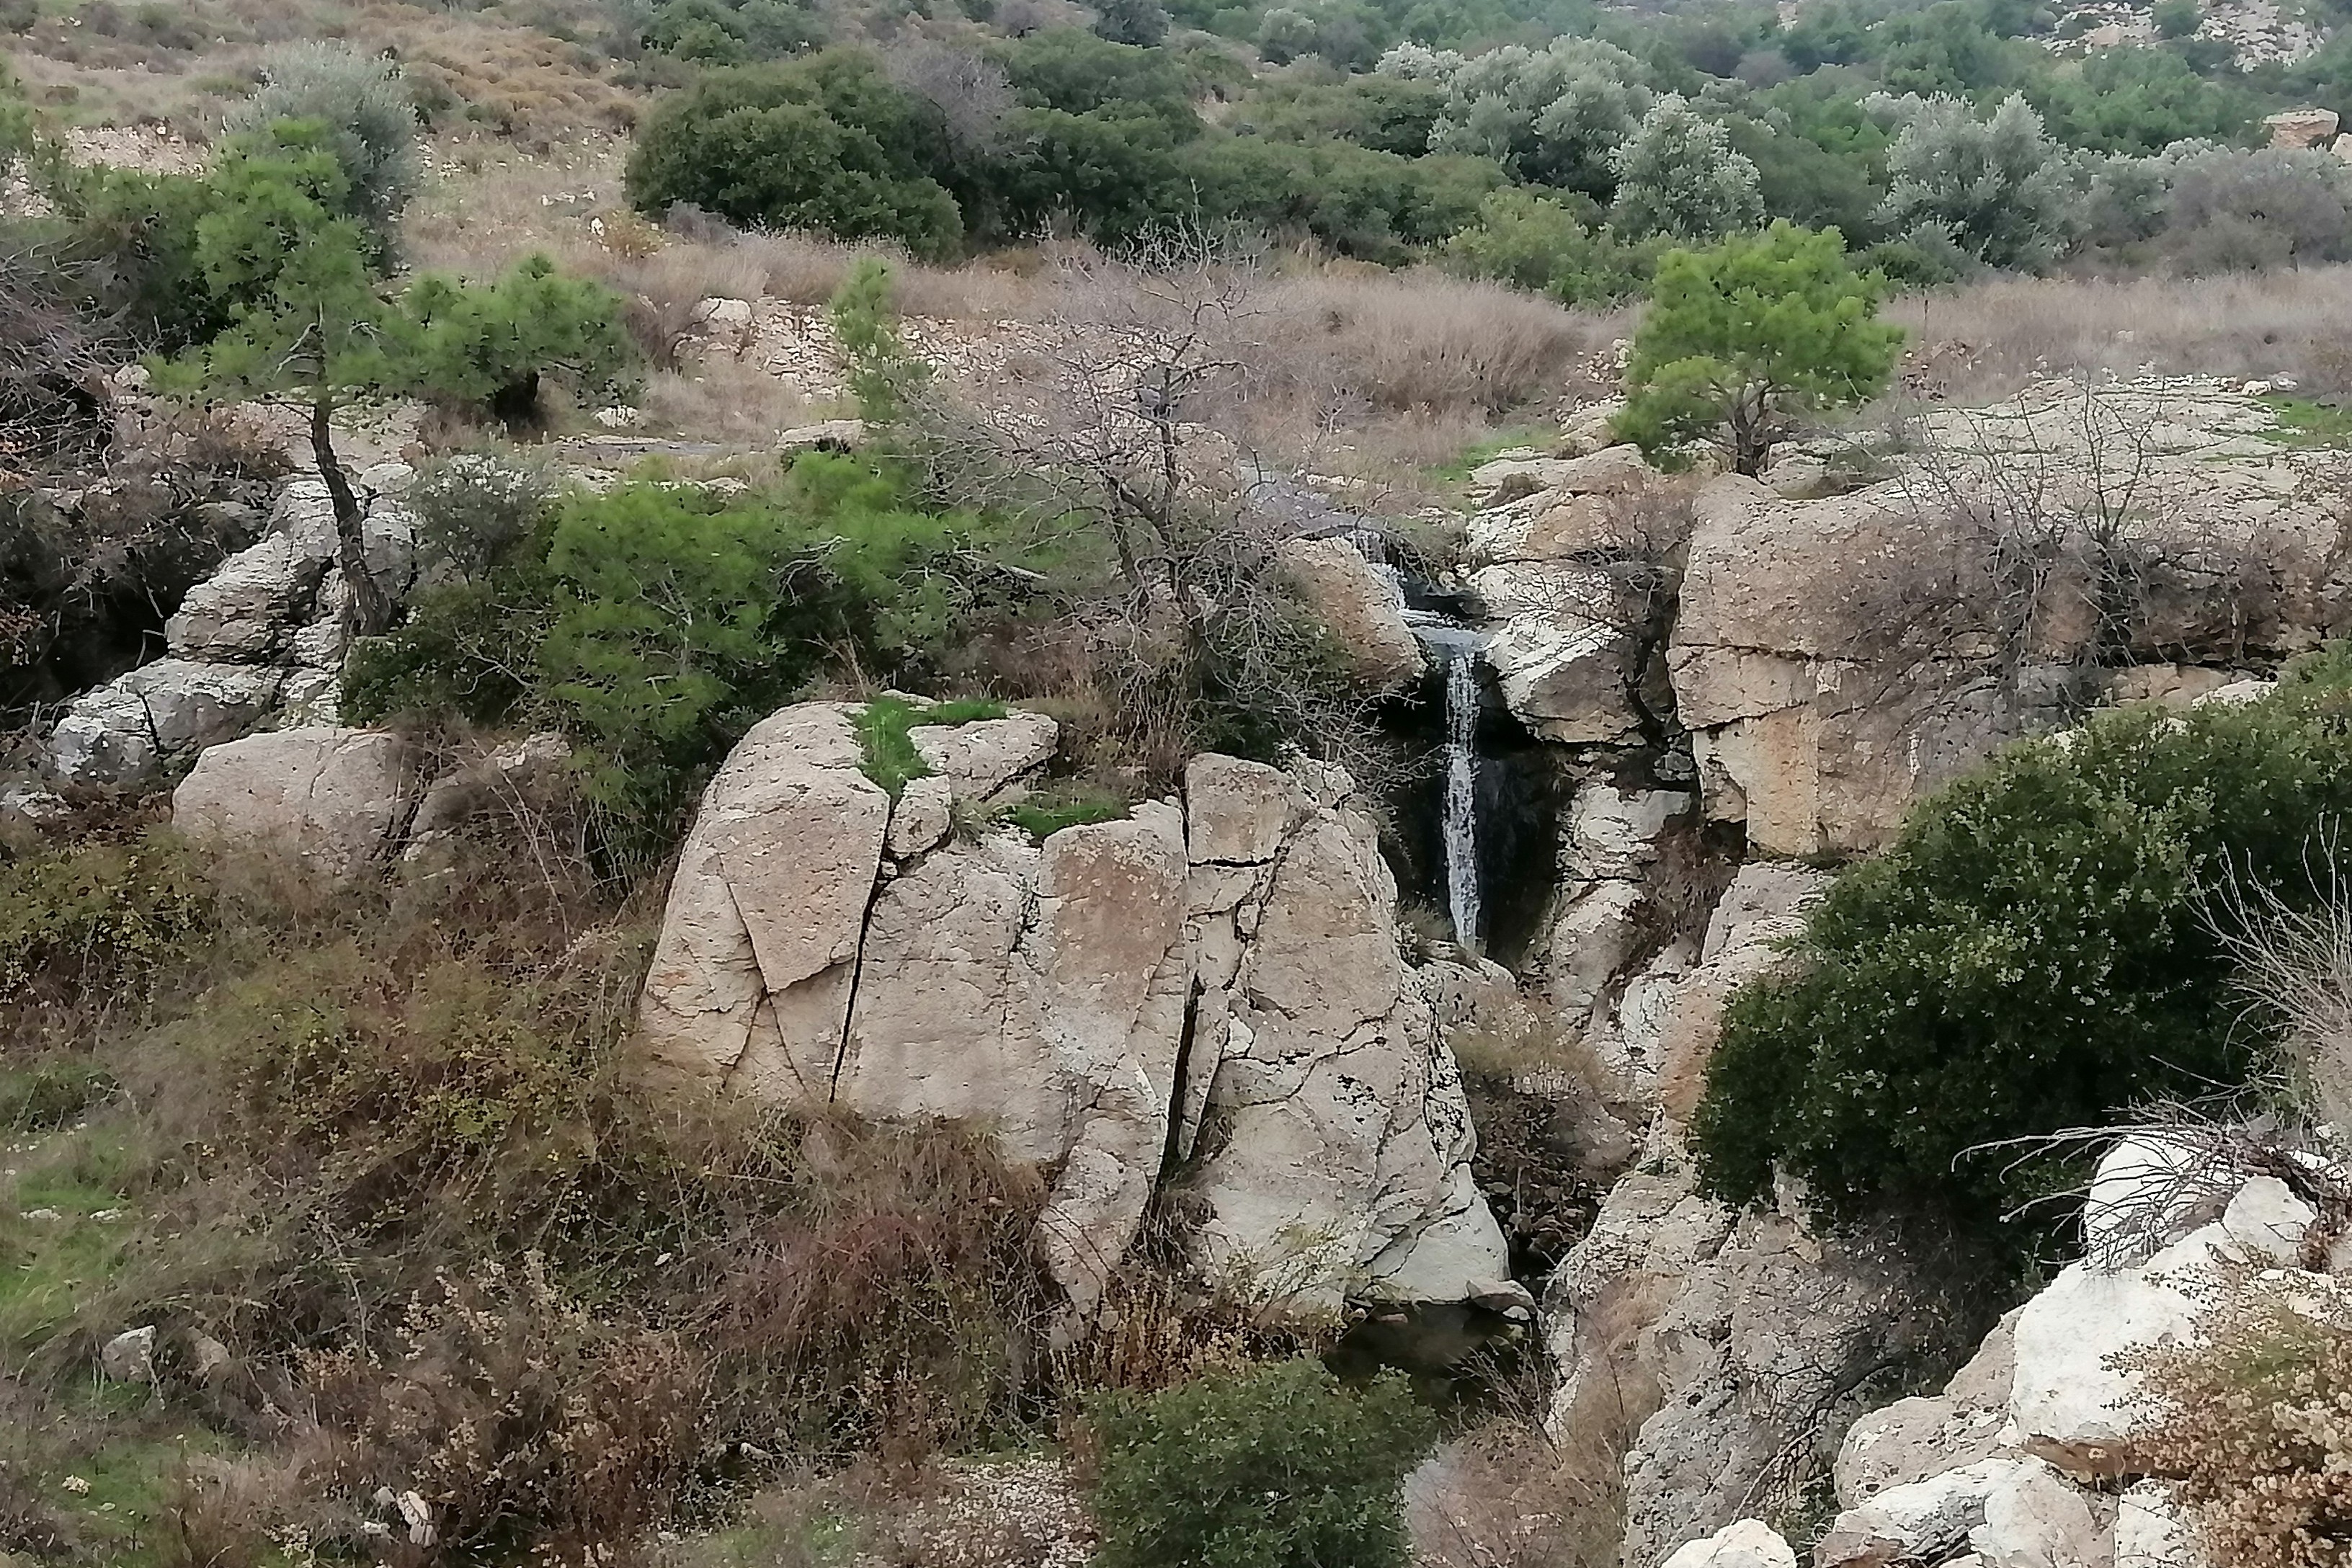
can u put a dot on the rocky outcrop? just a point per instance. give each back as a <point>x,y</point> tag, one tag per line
<point>1574,558</point>
<point>1836,659</point>
<point>1361,603</point>
<point>263,638</point>
<point>1726,1350</point>
<point>1207,992</point>
<point>2023,1457</point>
<point>338,798</point>
<point>1748,1544</point>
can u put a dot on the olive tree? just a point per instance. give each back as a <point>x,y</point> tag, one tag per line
<point>1678,175</point>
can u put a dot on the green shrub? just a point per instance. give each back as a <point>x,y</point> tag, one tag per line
<point>2030,954</point>
<point>370,119</point>
<point>824,143</point>
<point>658,622</point>
<point>1541,243</point>
<point>1277,1466</point>
<point>102,920</point>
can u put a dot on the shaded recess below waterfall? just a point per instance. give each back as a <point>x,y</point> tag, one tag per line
<point>1520,791</point>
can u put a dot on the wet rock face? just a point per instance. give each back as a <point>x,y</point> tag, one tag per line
<point>1208,993</point>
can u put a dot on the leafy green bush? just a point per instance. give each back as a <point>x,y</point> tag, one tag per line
<point>658,622</point>
<point>366,109</point>
<point>106,921</point>
<point>491,348</point>
<point>824,143</point>
<point>1541,243</point>
<point>1275,1467</point>
<point>2030,954</point>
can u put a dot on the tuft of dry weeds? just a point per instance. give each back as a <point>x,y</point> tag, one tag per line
<point>1984,341</point>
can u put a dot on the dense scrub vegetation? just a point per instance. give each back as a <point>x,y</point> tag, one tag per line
<point>1938,139</point>
<point>2038,949</point>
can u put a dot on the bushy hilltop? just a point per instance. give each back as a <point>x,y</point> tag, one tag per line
<point>1248,787</point>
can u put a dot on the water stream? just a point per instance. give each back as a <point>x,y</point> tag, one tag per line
<point>1459,652</point>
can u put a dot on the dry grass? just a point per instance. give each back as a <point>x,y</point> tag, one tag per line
<point>1979,343</point>
<point>184,64</point>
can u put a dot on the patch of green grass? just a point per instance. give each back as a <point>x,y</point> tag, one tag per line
<point>1041,816</point>
<point>1456,472</point>
<point>2303,423</point>
<point>51,1265</point>
<point>891,759</point>
<point>50,1092</point>
<point>130,1482</point>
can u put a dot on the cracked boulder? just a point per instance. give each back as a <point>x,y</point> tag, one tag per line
<point>1334,1138</point>
<point>339,799</point>
<point>1218,982</point>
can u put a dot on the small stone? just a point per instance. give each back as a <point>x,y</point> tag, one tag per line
<point>129,1356</point>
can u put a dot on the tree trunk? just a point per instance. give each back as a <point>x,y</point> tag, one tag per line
<point>371,608</point>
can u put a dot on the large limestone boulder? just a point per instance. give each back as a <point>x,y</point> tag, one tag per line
<point>337,798</point>
<point>1334,1140</point>
<point>1573,558</point>
<point>261,640</point>
<point>1915,1438</point>
<point>1217,983</point>
<point>1768,1345</point>
<point>1361,606</point>
<point>2070,1403</point>
<point>752,974</point>
<point>126,730</point>
<point>988,762</point>
<point>1920,1521</point>
<point>1834,659</point>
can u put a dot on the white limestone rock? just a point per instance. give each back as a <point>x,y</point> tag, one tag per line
<point>1748,1544</point>
<point>336,798</point>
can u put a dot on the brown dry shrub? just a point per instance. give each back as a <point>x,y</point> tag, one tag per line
<point>1507,1496</point>
<point>513,1414</point>
<point>2252,1413</point>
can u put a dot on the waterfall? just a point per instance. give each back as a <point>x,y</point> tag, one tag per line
<point>1460,816</point>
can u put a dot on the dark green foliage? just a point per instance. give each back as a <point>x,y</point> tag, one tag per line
<point>1077,73</point>
<point>2142,100</point>
<point>1380,112</point>
<point>882,372</point>
<point>1542,245</point>
<point>731,32</point>
<point>491,347</point>
<point>1140,22</point>
<point>824,143</point>
<point>1272,1467</point>
<point>658,622</point>
<point>883,726</point>
<point>2030,954</point>
<point>1372,205</point>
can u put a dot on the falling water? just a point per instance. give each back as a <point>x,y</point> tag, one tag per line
<point>1459,819</point>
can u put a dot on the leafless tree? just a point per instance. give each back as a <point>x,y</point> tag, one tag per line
<point>2295,962</point>
<point>970,91</point>
<point>1136,416</point>
<point>53,360</point>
